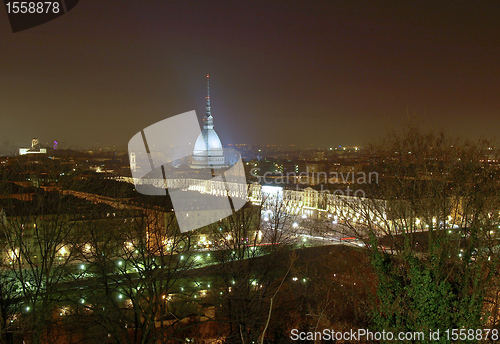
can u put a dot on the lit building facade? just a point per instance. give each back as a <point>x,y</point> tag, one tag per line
<point>35,148</point>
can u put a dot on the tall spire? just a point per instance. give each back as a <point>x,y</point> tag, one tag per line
<point>208,112</point>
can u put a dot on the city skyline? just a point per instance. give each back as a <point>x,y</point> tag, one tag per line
<point>321,73</point>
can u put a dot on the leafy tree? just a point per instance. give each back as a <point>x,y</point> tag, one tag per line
<point>431,225</point>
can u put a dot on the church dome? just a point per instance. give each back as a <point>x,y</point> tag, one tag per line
<point>208,151</point>
<point>208,142</point>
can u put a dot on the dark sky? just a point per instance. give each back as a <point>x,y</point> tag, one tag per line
<point>282,72</point>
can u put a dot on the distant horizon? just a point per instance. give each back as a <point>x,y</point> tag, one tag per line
<point>324,73</point>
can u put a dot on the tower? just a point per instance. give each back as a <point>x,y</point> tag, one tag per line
<point>208,152</point>
<point>133,163</point>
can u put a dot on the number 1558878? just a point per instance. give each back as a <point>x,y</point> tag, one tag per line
<point>32,7</point>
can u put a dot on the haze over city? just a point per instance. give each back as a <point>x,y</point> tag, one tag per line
<point>322,73</point>
<point>339,180</point>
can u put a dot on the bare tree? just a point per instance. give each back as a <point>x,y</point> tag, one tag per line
<point>141,267</point>
<point>251,252</point>
<point>436,211</point>
<point>37,231</point>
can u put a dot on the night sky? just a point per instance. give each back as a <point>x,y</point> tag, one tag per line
<point>325,73</point>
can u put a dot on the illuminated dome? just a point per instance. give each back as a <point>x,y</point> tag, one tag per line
<point>208,152</point>
<point>208,142</point>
